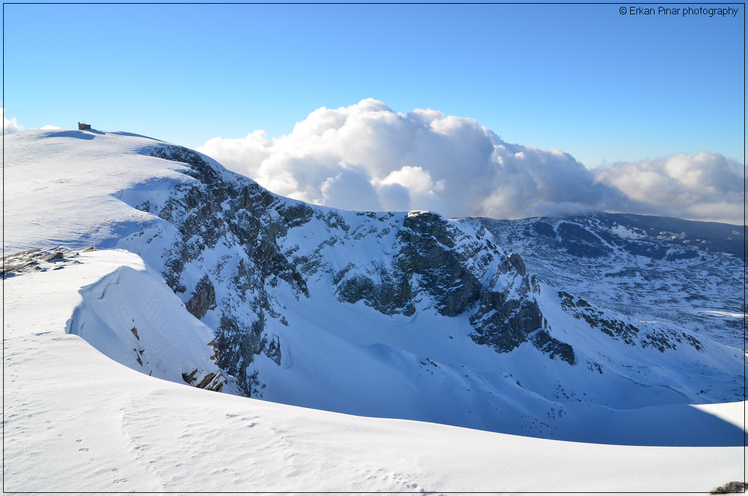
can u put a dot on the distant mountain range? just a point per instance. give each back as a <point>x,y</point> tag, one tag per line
<point>653,268</point>
<point>658,238</point>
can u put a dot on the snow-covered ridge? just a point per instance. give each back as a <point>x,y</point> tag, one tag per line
<point>404,315</point>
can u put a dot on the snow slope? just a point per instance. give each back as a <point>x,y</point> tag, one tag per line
<point>301,318</point>
<point>75,420</point>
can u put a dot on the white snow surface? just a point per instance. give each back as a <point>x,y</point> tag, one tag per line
<point>84,415</point>
<point>76,420</point>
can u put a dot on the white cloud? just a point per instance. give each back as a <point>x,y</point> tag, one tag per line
<point>368,157</point>
<point>351,190</point>
<point>704,186</point>
<point>10,126</point>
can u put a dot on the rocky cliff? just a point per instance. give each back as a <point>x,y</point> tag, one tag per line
<point>451,266</point>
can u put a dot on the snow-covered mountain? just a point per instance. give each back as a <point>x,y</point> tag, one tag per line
<point>401,315</point>
<point>650,268</point>
<point>173,266</point>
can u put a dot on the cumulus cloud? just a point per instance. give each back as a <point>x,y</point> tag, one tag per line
<point>368,157</point>
<point>10,125</point>
<point>705,186</point>
<point>351,190</point>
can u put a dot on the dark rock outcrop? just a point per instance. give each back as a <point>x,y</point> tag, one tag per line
<point>730,487</point>
<point>548,344</point>
<point>518,264</point>
<point>211,381</point>
<point>203,298</point>
<point>38,260</point>
<point>428,249</point>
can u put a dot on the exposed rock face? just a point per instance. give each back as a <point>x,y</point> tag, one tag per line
<point>505,323</point>
<point>508,317</point>
<point>424,259</point>
<point>518,264</point>
<point>40,259</point>
<point>449,267</point>
<point>203,299</point>
<point>730,487</point>
<point>643,334</point>
<point>211,381</point>
<point>548,344</point>
<point>392,295</point>
<point>428,245</point>
<point>246,219</point>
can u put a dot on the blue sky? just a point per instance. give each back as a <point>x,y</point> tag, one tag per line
<point>581,78</point>
<point>649,107</point>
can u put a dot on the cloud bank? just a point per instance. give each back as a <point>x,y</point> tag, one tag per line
<point>705,186</point>
<point>10,126</point>
<point>368,157</point>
